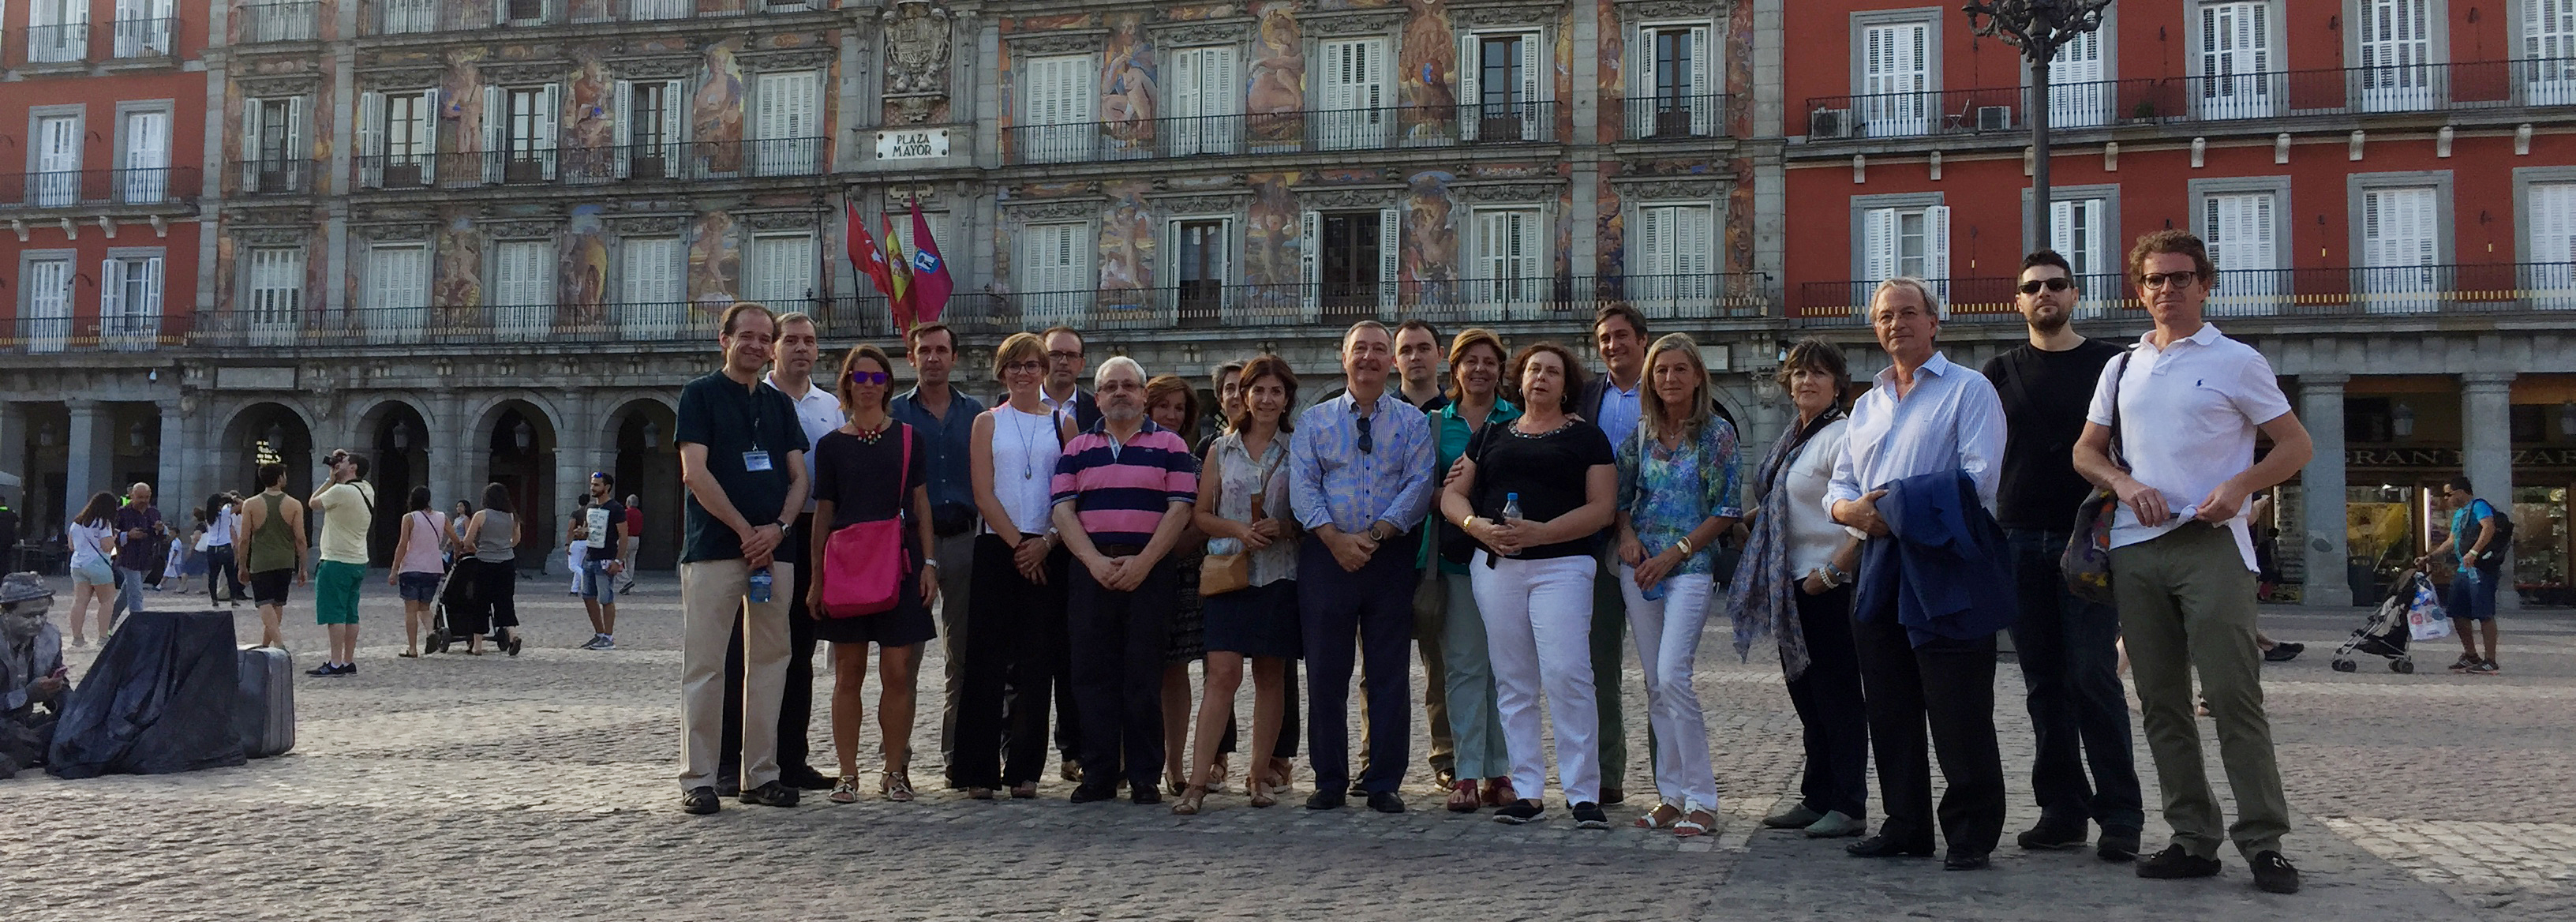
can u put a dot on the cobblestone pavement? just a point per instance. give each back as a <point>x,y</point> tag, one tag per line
<point>542,787</point>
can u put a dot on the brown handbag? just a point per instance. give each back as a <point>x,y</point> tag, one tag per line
<point>1224,573</point>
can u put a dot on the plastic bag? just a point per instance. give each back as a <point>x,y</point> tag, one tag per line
<point>2425,617</point>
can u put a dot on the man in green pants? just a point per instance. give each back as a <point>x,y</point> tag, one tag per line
<point>2185,403</point>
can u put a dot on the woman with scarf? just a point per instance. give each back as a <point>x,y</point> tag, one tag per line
<point>1795,585</point>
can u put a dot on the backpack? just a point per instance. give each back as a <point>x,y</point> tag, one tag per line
<point>2499,550</point>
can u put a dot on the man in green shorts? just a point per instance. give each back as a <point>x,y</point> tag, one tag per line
<point>348,506</point>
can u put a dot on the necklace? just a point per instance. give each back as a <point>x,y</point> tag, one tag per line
<point>870,436</point>
<point>1028,446</point>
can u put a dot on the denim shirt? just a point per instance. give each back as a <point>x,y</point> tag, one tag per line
<point>951,442</point>
<point>1332,482</point>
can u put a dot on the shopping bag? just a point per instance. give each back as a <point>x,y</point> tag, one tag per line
<point>2425,617</point>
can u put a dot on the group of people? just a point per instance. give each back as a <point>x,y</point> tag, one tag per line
<point>1516,523</point>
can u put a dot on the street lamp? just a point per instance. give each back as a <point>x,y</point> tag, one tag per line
<point>2038,28</point>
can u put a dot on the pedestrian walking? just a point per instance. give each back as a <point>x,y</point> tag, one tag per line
<point>418,566</point>
<point>634,542</point>
<point>492,536</point>
<point>1015,622</point>
<point>92,536</point>
<point>873,468</point>
<point>273,529</point>
<point>2477,537</point>
<point>223,563</point>
<point>142,548</point>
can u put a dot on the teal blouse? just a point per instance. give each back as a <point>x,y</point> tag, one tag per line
<point>1666,493</point>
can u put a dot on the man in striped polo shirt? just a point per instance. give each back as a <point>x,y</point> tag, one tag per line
<point>1123,493</point>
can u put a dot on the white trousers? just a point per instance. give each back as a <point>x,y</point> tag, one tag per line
<point>712,600</point>
<point>1667,632</point>
<point>1538,631</point>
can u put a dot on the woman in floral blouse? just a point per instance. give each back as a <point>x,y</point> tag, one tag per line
<point>1677,494</point>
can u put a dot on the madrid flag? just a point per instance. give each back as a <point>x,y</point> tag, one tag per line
<point>930,281</point>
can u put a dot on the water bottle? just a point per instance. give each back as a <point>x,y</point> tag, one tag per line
<point>760,583</point>
<point>1511,513</point>
<point>1654,593</point>
<point>1222,546</point>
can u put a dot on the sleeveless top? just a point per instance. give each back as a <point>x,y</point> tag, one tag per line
<point>1025,449</point>
<point>493,545</point>
<point>423,555</point>
<point>273,546</point>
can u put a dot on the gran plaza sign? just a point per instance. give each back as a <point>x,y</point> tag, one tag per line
<point>2449,458</point>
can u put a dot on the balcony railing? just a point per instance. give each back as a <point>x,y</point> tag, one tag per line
<point>142,38</point>
<point>661,322</point>
<point>2336,291</point>
<point>1675,117</point>
<point>57,44</point>
<point>398,17</point>
<point>2208,98</point>
<point>294,21</point>
<point>38,335</point>
<point>1386,128</point>
<point>1460,301</point>
<point>575,165</point>
<point>174,185</point>
<point>274,177</point>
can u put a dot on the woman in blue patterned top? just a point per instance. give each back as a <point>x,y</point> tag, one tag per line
<point>1677,494</point>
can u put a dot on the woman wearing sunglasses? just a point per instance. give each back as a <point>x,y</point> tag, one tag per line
<point>856,471</point>
<point>1015,617</point>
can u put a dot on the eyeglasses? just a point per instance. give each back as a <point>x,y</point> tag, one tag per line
<point>865,378</point>
<point>1367,443</point>
<point>2052,284</point>
<point>2181,279</point>
<point>1065,356</point>
<point>1024,366</point>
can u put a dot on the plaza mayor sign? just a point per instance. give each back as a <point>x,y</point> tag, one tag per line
<point>912,144</point>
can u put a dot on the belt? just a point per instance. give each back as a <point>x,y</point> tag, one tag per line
<point>1120,550</point>
<point>951,520</point>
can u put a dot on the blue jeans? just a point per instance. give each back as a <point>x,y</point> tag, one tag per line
<point>2070,665</point>
<point>129,594</point>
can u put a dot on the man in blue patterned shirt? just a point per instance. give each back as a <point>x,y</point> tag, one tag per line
<point>1360,480</point>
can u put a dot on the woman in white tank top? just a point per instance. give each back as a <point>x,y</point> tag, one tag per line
<point>1015,619</point>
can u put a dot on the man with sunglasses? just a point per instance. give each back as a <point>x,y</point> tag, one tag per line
<point>603,538</point>
<point>2189,401</point>
<point>2478,536</point>
<point>2069,648</point>
<point>1360,481</point>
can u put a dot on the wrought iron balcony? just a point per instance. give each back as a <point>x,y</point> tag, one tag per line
<point>28,333</point>
<point>562,322</point>
<point>588,165</point>
<point>143,38</point>
<point>291,21</point>
<point>173,185</point>
<point>273,177</point>
<point>2334,291</point>
<point>60,43</point>
<point>2206,98</point>
<point>1324,131</point>
<point>1194,305</point>
<point>1667,118</point>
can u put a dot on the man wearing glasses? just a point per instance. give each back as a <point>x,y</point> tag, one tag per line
<point>1360,481</point>
<point>2068,647</point>
<point>2188,401</point>
<point>1063,391</point>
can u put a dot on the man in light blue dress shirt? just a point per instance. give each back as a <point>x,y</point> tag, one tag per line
<point>1360,481</point>
<point>1611,401</point>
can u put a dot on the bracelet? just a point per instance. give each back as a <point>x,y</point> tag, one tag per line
<point>1683,545</point>
<point>929,561</point>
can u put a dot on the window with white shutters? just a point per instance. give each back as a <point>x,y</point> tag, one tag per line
<point>142,27</point>
<point>1355,115</point>
<point>2077,231</point>
<point>2236,73</point>
<point>57,30</point>
<point>787,118</point>
<point>2397,55</point>
<point>1912,241</point>
<point>1198,266</point>
<point>782,273</point>
<point>523,296</point>
<point>397,293</point>
<point>401,16</point>
<point>144,170</point>
<point>58,161</point>
<point>649,290</point>
<point>647,128</point>
<point>48,322</point>
<point>129,302</point>
<point>1672,68</point>
<point>2549,52</point>
<point>1205,93</point>
<point>2240,229</point>
<point>273,146</point>
<point>1674,275</point>
<point>2400,246</point>
<point>1061,127</point>
<point>657,9</point>
<point>2078,95</point>
<point>2551,249</point>
<point>1501,83</point>
<point>276,295</point>
<point>1055,269</point>
<point>1511,253</point>
<point>522,130</point>
<point>1895,79</point>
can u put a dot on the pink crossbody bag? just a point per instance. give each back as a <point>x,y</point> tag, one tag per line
<point>863,564</point>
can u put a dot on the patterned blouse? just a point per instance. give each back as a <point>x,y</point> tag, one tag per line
<point>1669,492</point>
<point>1235,471</point>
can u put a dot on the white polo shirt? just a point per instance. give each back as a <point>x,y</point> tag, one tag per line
<point>2188,414</point>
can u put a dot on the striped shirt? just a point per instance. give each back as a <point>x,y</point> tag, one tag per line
<point>1120,492</point>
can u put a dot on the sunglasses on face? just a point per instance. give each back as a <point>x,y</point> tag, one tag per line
<point>2054,284</point>
<point>865,378</point>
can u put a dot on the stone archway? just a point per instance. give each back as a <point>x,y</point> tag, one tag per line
<point>647,463</point>
<point>394,436</point>
<point>260,433</point>
<point>519,440</point>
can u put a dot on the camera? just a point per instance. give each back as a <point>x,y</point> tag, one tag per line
<point>335,457</point>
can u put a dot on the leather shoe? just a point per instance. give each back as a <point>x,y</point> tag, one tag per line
<point>1961,859</point>
<point>1614,795</point>
<point>1880,846</point>
<point>1327,800</point>
<point>1798,817</point>
<point>1386,802</point>
<point>2273,873</point>
<point>2054,833</point>
<point>2117,844</point>
<point>1086,794</point>
<point>805,778</point>
<point>1144,795</point>
<point>731,786</point>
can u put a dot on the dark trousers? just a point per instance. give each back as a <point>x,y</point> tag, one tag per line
<point>1951,683</point>
<point>1829,706</point>
<point>223,574</point>
<point>1362,619</point>
<point>1117,643</point>
<point>2070,665</point>
<point>1008,646</point>
<point>796,703</point>
<point>1068,718</point>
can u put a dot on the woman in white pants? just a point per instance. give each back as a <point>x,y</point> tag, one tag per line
<point>1533,577</point>
<point>1677,494</point>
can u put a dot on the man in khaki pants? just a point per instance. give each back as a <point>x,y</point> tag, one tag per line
<point>742,458</point>
<point>2186,402</point>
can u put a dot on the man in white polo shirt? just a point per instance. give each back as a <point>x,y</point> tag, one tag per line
<point>2189,401</point>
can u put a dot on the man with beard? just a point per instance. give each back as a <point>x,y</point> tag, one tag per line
<point>31,672</point>
<point>2068,646</point>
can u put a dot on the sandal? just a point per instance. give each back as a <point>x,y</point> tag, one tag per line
<point>897,785</point>
<point>1661,817</point>
<point>1261,796</point>
<point>1224,767</point>
<point>1283,774</point>
<point>1498,791</point>
<point>1026,790</point>
<point>408,655</point>
<point>1465,799</point>
<point>1695,823</point>
<point>1191,797</point>
<point>845,791</point>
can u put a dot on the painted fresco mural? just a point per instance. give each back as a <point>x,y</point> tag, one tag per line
<point>456,286</point>
<point>1426,79</point>
<point>1270,244</point>
<point>1275,91</point>
<point>715,263</point>
<point>590,107</point>
<point>1129,85</point>
<point>715,110</point>
<point>1613,79</point>
<point>462,90</point>
<point>1429,254</point>
<point>582,284</point>
<point>1610,226</point>
<point>1127,237</point>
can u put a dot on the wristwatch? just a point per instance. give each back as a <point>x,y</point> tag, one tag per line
<point>929,561</point>
<point>1834,576</point>
<point>1372,532</point>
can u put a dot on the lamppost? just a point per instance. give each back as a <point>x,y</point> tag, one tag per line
<point>2038,28</point>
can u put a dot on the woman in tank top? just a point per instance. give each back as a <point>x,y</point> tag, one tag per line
<point>494,535</point>
<point>417,565</point>
<point>1015,621</point>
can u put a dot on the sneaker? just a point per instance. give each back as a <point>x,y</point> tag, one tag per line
<point>325,669</point>
<point>2464,663</point>
<point>2176,864</point>
<point>2273,873</point>
<point>1588,815</point>
<point>2055,833</point>
<point>352,669</point>
<point>700,801</point>
<point>1836,824</point>
<point>1086,794</point>
<point>2117,844</point>
<point>593,642</point>
<point>606,642</point>
<point>772,794</point>
<point>1521,811</point>
<point>2284,652</point>
<point>2484,667</point>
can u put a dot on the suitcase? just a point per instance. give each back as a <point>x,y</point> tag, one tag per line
<point>264,709</point>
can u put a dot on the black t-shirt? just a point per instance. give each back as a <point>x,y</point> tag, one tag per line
<point>1549,471</point>
<point>732,421</point>
<point>854,476</point>
<point>613,528</point>
<point>2045,396</point>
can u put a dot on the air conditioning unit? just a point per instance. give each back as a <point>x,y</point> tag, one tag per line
<point>1829,123</point>
<point>1994,118</point>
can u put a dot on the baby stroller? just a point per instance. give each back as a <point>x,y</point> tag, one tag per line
<point>2386,633</point>
<point>456,588</point>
